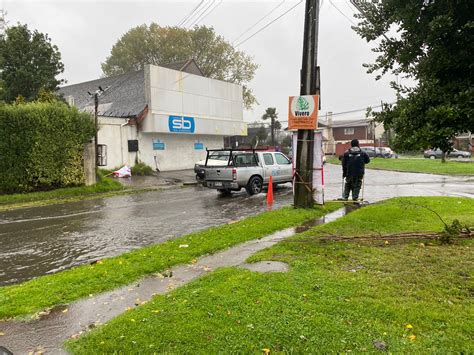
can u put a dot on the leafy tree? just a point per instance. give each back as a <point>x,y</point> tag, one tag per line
<point>270,113</point>
<point>154,44</point>
<point>28,62</point>
<point>259,137</point>
<point>432,43</point>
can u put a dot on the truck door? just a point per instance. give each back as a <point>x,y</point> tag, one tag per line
<point>285,167</point>
<point>270,168</point>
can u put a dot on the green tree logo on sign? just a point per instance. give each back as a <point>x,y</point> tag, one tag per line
<point>302,104</point>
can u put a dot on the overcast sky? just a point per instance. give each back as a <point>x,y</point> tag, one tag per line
<point>85,32</point>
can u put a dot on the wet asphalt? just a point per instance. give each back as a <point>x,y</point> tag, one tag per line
<point>44,240</point>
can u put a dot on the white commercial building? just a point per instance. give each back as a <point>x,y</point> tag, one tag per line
<point>165,117</point>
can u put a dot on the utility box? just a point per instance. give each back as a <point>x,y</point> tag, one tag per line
<point>133,145</point>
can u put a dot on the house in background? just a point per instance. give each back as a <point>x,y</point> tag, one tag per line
<point>164,116</point>
<point>465,141</point>
<point>339,133</point>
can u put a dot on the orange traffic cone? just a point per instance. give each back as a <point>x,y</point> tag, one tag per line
<point>270,191</point>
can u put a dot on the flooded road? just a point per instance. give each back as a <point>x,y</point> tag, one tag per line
<point>42,240</point>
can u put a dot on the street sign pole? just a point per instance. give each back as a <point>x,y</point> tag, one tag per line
<point>303,182</point>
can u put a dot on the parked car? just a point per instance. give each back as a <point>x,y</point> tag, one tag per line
<point>370,151</point>
<point>378,152</point>
<point>250,170</point>
<point>437,154</point>
<point>218,158</point>
<point>385,152</point>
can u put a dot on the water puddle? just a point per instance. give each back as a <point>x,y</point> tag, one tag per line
<point>50,330</point>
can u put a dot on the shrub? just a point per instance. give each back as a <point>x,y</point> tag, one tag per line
<point>142,169</point>
<point>41,146</point>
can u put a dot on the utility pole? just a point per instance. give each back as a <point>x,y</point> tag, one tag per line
<point>96,95</point>
<point>303,196</point>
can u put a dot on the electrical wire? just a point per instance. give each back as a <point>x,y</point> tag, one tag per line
<point>195,21</point>
<point>342,13</point>
<point>268,24</point>
<point>209,12</point>
<point>186,17</point>
<point>198,13</point>
<point>256,23</point>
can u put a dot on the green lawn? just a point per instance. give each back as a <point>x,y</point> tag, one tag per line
<point>415,296</point>
<point>419,166</point>
<point>70,285</point>
<point>103,187</point>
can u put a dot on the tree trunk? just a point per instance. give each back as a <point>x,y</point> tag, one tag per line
<point>272,131</point>
<point>443,157</point>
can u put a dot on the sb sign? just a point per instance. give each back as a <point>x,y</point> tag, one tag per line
<point>181,124</point>
<point>303,112</point>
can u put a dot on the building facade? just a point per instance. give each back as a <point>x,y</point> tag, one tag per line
<point>163,116</point>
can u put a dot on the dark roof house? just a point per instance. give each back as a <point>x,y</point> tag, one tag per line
<point>123,96</point>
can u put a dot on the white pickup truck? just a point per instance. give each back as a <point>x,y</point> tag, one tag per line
<point>248,169</point>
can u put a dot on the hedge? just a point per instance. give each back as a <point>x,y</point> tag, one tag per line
<point>41,146</point>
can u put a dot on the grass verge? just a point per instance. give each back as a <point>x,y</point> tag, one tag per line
<point>105,186</point>
<point>70,285</point>
<point>411,296</point>
<point>418,166</point>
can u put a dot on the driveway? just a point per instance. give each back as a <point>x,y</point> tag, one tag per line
<point>42,240</point>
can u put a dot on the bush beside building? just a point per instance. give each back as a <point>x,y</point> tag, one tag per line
<point>41,146</point>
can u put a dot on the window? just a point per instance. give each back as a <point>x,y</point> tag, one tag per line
<point>348,131</point>
<point>268,159</point>
<point>281,159</point>
<point>247,159</point>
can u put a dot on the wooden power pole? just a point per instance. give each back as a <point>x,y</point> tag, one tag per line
<point>303,196</point>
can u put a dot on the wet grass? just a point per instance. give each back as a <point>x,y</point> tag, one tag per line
<point>419,166</point>
<point>73,284</point>
<point>410,296</point>
<point>105,187</point>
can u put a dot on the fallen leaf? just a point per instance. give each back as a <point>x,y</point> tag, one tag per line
<point>2,334</point>
<point>386,242</point>
<point>64,310</point>
<point>132,320</point>
<point>194,261</point>
<point>412,337</point>
<point>184,246</point>
<point>266,351</point>
<point>409,326</point>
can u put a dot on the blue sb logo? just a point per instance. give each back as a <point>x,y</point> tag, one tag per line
<point>180,124</point>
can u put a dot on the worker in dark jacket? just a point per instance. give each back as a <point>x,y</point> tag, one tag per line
<point>353,169</point>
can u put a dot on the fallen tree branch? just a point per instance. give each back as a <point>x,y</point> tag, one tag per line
<point>378,237</point>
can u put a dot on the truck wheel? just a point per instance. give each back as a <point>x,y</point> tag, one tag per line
<point>254,186</point>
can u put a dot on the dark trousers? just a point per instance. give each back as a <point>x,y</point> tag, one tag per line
<point>353,183</point>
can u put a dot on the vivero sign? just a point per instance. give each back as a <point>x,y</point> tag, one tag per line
<point>303,112</point>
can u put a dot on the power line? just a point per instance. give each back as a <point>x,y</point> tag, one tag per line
<point>196,14</point>
<point>186,17</point>
<point>342,13</point>
<point>209,11</point>
<point>261,19</point>
<point>195,21</point>
<point>268,24</point>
